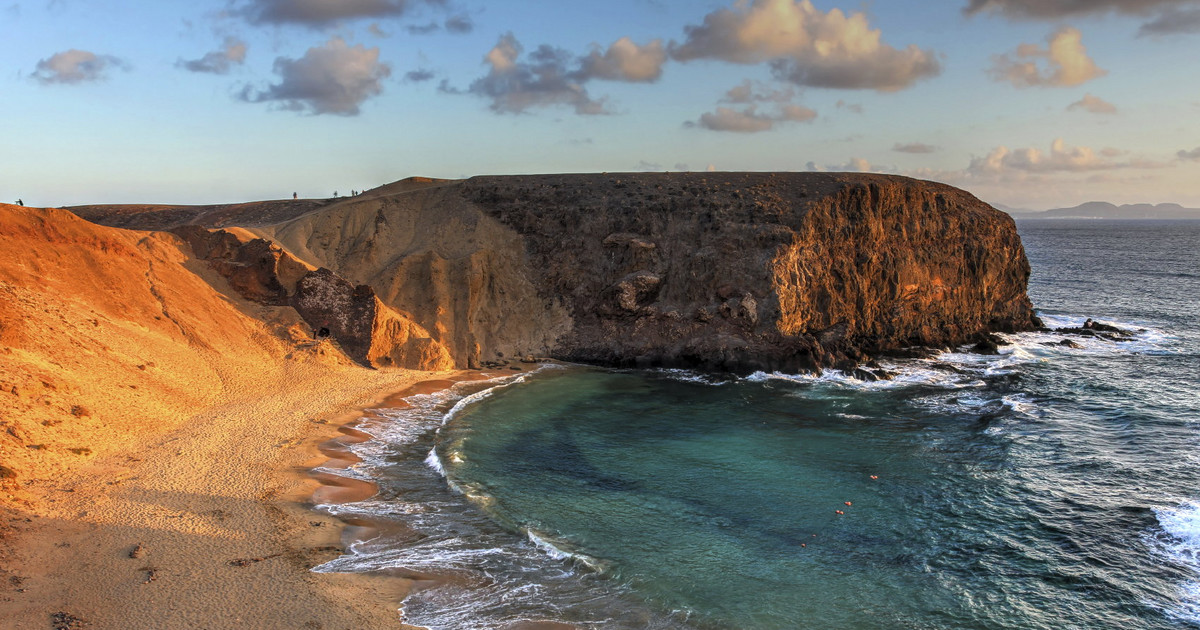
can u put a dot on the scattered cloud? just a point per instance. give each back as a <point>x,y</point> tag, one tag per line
<point>542,80</point>
<point>626,61</point>
<point>727,119</point>
<point>806,46</point>
<point>550,76</point>
<point>1093,104</point>
<point>1173,22</point>
<point>751,118</point>
<point>422,29</point>
<point>914,147</point>
<point>859,165</point>
<point>682,166</point>
<point>1055,9</point>
<point>218,61</point>
<point>319,14</point>
<point>1194,154</point>
<point>645,166</point>
<point>377,30</point>
<point>857,108</point>
<point>1065,59</point>
<point>753,92</point>
<point>420,75</point>
<point>333,78</point>
<point>459,24</point>
<point>75,66</point>
<point>1060,158</point>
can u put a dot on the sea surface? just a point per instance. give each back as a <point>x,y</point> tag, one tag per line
<point>1049,487</point>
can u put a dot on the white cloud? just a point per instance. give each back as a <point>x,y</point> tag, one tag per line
<point>806,46</point>
<point>753,92</point>
<point>859,165</point>
<point>1093,104</point>
<point>1060,159</point>
<point>218,61</point>
<point>550,76</point>
<point>747,120</point>
<point>75,66</point>
<point>750,120</point>
<point>1194,154</point>
<point>626,61</point>
<point>329,79</point>
<point>914,147</point>
<point>545,78</point>
<point>1065,60</point>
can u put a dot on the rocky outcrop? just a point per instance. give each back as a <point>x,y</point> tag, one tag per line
<point>366,330</point>
<point>746,271</point>
<point>719,271</point>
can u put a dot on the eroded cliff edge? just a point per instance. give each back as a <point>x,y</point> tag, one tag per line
<point>718,271</point>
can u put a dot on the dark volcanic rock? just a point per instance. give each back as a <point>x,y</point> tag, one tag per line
<point>253,268</point>
<point>782,271</point>
<point>327,301</point>
<point>718,271</point>
<point>367,331</point>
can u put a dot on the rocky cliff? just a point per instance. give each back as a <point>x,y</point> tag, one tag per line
<point>720,271</point>
<point>367,330</point>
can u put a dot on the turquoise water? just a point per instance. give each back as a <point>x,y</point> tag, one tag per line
<point>1049,487</point>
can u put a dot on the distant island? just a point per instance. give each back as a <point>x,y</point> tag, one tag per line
<point>1105,210</point>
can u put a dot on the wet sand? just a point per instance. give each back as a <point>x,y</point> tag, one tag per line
<point>335,489</point>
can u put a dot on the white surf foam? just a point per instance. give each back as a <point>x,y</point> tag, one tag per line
<point>1179,541</point>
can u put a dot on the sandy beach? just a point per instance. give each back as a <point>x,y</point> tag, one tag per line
<point>204,526</point>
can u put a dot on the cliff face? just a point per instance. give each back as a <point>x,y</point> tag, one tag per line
<point>761,271</point>
<point>367,330</point>
<point>724,271</point>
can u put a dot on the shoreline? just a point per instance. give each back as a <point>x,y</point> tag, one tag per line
<point>332,489</point>
<point>207,522</point>
<point>336,453</point>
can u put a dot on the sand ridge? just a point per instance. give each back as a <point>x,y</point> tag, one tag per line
<point>156,432</point>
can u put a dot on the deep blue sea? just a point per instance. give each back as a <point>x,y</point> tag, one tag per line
<point>1049,487</point>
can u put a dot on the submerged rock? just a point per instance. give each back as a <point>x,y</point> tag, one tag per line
<point>1098,330</point>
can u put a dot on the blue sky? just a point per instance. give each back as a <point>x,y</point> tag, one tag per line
<point>1027,103</point>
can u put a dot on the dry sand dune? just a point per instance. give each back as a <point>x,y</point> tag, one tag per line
<point>144,403</point>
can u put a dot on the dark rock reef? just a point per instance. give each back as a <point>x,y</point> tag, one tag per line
<point>717,271</point>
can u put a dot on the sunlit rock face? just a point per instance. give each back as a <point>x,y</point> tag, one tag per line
<point>717,271</point>
<point>746,271</point>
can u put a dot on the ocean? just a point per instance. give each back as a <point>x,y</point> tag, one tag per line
<point>1050,486</point>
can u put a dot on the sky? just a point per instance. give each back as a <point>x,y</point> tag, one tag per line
<point>1032,104</point>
